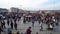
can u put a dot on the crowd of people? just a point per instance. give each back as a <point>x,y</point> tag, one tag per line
<point>9,23</point>
<point>49,21</point>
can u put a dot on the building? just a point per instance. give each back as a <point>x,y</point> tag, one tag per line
<point>3,11</point>
<point>13,9</point>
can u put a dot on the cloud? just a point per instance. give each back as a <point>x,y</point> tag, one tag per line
<point>55,6</point>
<point>31,4</point>
<point>24,3</point>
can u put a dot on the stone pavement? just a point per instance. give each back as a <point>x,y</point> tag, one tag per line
<point>22,28</point>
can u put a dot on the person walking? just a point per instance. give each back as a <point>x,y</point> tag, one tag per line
<point>24,21</point>
<point>18,32</point>
<point>3,24</point>
<point>28,31</point>
<point>15,20</point>
<point>1,30</point>
<point>9,31</point>
<point>41,26</point>
<point>33,23</point>
<point>11,25</point>
<point>15,25</point>
<point>8,22</point>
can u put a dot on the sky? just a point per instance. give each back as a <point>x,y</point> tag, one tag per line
<point>31,4</point>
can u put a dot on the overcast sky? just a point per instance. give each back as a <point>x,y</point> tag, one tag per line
<point>31,4</point>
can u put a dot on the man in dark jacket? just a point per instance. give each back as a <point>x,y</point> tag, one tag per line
<point>15,25</point>
<point>8,22</point>
<point>11,24</point>
<point>1,30</point>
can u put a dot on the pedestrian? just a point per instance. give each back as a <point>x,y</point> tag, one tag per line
<point>11,24</point>
<point>28,31</point>
<point>8,22</point>
<point>39,21</point>
<point>9,31</point>
<point>1,30</point>
<point>33,23</point>
<point>24,21</point>
<point>41,26</point>
<point>19,19</point>
<point>56,23</point>
<point>15,25</point>
<point>15,20</point>
<point>3,24</point>
<point>18,32</point>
